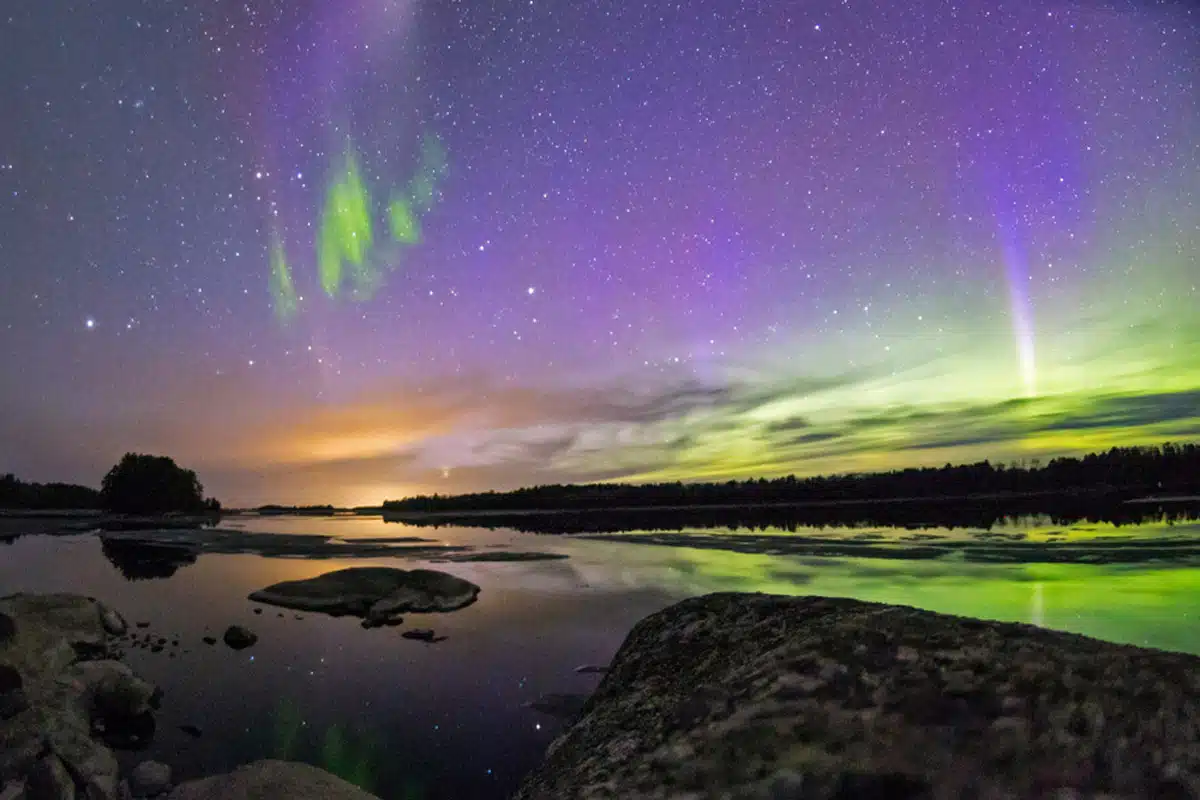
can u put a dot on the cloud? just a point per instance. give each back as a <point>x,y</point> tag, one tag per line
<point>253,442</point>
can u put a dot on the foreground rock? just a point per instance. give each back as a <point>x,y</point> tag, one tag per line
<point>149,779</point>
<point>239,638</point>
<point>754,696</point>
<point>271,780</point>
<point>56,658</point>
<point>375,593</point>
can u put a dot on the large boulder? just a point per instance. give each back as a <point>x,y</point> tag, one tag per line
<point>271,780</point>
<point>375,593</point>
<point>755,696</point>
<point>52,631</point>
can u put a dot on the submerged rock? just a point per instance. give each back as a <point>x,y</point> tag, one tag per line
<point>271,780</point>
<point>376,593</point>
<point>239,638</point>
<point>562,706</point>
<point>149,778</point>
<point>421,634</point>
<point>755,696</point>
<point>590,669</point>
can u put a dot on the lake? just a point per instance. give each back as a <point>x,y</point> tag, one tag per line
<point>407,719</point>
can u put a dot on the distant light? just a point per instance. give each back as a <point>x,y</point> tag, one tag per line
<point>258,175</point>
<point>89,323</point>
<point>531,290</point>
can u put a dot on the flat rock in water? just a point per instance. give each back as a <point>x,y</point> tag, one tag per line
<point>420,634</point>
<point>271,780</point>
<point>377,593</point>
<point>755,696</point>
<point>591,669</point>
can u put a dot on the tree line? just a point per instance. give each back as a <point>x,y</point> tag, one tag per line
<point>1120,472</point>
<point>138,484</point>
<point>15,493</point>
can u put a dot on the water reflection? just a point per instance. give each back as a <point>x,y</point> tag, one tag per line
<point>408,720</point>
<point>977,513</point>
<point>139,561</point>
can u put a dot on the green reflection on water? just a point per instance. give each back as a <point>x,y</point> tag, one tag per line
<point>352,756</point>
<point>1147,605</point>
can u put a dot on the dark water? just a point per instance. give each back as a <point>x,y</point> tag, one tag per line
<point>407,719</point>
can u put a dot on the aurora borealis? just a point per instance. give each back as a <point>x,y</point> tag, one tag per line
<point>337,252</point>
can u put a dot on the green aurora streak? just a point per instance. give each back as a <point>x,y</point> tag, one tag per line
<point>346,252</point>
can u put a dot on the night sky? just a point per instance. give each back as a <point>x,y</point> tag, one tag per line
<point>343,251</point>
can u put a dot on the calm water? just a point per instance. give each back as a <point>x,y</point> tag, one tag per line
<point>411,720</point>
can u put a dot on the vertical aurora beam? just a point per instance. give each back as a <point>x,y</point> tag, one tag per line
<point>283,290</point>
<point>1016,272</point>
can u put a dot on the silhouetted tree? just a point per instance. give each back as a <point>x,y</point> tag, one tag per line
<point>143,484</point>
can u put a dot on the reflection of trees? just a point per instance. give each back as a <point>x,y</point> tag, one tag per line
<point>139,561</point>
<point>982,513</point>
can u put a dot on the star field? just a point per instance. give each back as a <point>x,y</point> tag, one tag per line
<point>667,240</point>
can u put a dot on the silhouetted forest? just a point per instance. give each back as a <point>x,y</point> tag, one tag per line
<point>1119,473</point>
<point>303,511</point>
<point>15,493</point>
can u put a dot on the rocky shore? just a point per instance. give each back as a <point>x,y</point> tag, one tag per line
<point>66,701</point>
<point>729,695</point>
<point>756,696</point>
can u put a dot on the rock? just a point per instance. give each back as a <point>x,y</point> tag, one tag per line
<point>51,631</point>
<point>8,628</point>
<point>590,669</point>
<point>422,634</point>
<point>210,640</point>
<point>93,767</point>
<point>191,730</point>
<point>562,706</point>
<point>258,611</point>
<point>271,780</point>
<point>378,593</point>
<point>13,790</point>
<point>49,780</point>
<point>149,778</point>
<point>143,624</point>
<point>112,621</point>
<point>239,638</point>
<point>111,691</point>
<point>754,696</point>
<point>65,697</point>
<point>373,622</point>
